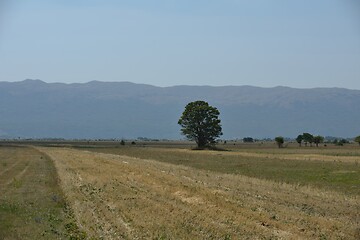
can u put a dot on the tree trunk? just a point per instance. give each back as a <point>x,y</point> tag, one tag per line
<point>201,142</point>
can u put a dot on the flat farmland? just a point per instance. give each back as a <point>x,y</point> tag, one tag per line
<point>134,193</point>
<point>32,204</point>
<point>330,168</point>
<point>162,192</point>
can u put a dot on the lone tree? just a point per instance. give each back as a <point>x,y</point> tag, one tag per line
<point>280,141</point>
<point>299,139</point>
<point>357,139</point>
<point>200,123</point>
<point>318,139</point>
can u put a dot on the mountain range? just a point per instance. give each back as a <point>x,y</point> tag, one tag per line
<point>36,109</point>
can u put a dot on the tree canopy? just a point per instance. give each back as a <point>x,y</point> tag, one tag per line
<point>308,138</point>
<point>318,139</point>
<point>357,139</point>
<point>200,123</point>
<point>299,139</point>
<point>248,139</point>
<point>280,141</point>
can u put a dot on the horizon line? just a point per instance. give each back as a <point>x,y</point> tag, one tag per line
<point>182,85</point>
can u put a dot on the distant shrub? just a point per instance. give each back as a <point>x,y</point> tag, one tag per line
<point>122,142</point>
<point>279,141</point>
<point>340,142</point>
<point>248,139</point>
<point>307,138</point>
<point>299,139</point>
<point>357,139</point>
<point>318,139</point>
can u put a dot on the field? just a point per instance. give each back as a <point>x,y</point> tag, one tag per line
<point>158,191</point>
<point>32,203</point>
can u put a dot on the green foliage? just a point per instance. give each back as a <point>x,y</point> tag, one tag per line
<point>200,123</point>
<point>340,142</point>
<point>280,141</point>
<point>357,139</point>
<point>318,139</point>
<point>308,138</point>
<point>299,139</point>
<point>6,207</point>
<point>248,139</point>
<point>227,237</point>
<point>122,143</point>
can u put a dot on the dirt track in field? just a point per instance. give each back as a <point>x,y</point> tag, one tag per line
<point>119,197</point>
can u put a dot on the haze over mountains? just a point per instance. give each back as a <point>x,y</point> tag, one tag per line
<point>36,109</point>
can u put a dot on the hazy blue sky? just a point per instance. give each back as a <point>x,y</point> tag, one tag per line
<point>303,43</point>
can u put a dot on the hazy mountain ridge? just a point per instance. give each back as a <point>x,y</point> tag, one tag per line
<point>33,108</point>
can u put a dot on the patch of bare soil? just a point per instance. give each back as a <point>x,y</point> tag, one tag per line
<point>118,197</point>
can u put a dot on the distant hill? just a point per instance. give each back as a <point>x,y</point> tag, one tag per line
<point>36,109</point>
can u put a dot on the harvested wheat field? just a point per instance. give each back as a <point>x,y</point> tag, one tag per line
<point>121,197</point>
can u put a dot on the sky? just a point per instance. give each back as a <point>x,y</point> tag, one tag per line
<point>266,43</point>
